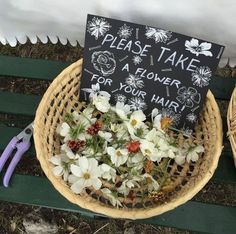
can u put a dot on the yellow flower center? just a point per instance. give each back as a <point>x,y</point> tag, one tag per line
<point>118,153</point>
<point>86,175</point>
<point>134,122</point>
<point>147,151</point>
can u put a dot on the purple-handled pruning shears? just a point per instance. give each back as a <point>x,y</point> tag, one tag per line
<point>20,143</point>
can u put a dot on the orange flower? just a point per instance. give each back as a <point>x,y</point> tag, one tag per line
<point>149,166</point>
<point>166,122</point>
<point>133,146</point>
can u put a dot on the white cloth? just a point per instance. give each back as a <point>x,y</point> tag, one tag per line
<point>59,19</point>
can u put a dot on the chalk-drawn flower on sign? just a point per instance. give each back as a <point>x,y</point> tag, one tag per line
<point>195,48</point>
<point>134,81</point>
<point>188,96</point>
<point>191,117</point>
<point>201,76</point>
<point>104,62</point>
<point>187,131</point>
<point>169,113</point>
<point>120,98</point>
<point>159,35</point>
<point>137,60</point>
<point>98,27</point>
<point>125,31</point>
<point>137,103</point>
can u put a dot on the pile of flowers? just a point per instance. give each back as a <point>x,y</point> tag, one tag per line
<point>116,152</point>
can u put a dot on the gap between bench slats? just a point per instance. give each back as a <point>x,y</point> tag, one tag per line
<point>204,217</point>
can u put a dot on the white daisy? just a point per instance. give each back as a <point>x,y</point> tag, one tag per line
<point>134,81</point>
<point>108,172</point>
<point>101,103</point>
<point>193,153</point>
<point>137,59</point>
<point>98,27</point>
<point>191,117</point>
<point>122,110</point>
<point>62,167</point>
<point>152,184</point>
<point>107,193</point>
<point>148,150</point>
<point>63,129</point>
<point>125,31</point>
<point>127,185</point>
<point>136,119</point>
<point>107,136</point>
<point>137,103</point>
<point>195,48</point>
<point>118,156</point>
<point>67,150</point>
<point>201,76</point>
<point>159,35</point>
<point>156,118</point>
<point>86,172</point>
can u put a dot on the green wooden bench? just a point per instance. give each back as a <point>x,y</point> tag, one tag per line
<point>35,190</point>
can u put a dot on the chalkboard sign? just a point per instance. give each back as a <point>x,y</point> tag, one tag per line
<point>148,67</point>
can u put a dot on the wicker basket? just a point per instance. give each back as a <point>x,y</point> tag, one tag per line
<point>231,120</point>
<point>62,97</point>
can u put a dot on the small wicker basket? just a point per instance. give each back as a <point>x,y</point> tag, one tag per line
<point>231,120</point>
<point>62,97</point>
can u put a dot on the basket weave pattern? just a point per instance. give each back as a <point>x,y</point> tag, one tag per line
<point>231,120</point>
<point>186,180</point>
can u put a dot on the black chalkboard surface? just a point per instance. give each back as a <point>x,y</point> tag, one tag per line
<point>148,67</point>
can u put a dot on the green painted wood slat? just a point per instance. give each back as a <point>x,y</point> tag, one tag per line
<point>48,70</point>
<point>224,173</point>
<point>204,217</point>
<point>20,104</point>
<point>31,68</point>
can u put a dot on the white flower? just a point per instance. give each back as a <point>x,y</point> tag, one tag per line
<point>193,153</point>
<point>201,76</point>
<point>152,184</point>
<point>118,156</point>
<point>107,136</point>
<point>180,157</point>
<point>67,150</point>
<point>159,35</point>
<point>127,185</point>
<point>87,172</point>
<point>108,172</point>
<point>135,122</point>
<point>120,130</point>
<point>98,27</point>
<point>101,103</point>
<point>95,90</point>
<point>156,118</point>
<point>107,193</point>
<point>61,163</point>
<point>194,47</point>
<point>136,119</point>
<point>122,110</point>
<point>64,129</point>
<point>148,150</point>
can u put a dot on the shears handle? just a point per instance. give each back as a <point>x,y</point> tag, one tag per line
<point>22,147</point>
<point>7,152</point>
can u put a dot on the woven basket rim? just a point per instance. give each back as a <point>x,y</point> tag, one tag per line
<point>230,113</point>
<point>110,211</point>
